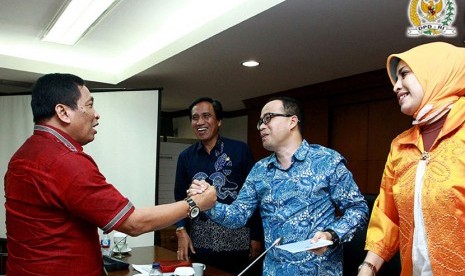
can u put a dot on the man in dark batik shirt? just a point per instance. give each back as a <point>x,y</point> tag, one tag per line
<point>225,164</point>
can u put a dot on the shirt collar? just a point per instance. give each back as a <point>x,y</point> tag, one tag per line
<point>69,142</point>
<point>299,155</point>
<point>218,146</point>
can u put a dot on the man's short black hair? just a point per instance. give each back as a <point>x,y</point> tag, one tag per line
<point>52,89</point>
<point>217,107</point>
<point>291,106</point>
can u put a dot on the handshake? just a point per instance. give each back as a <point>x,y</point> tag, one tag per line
<point>203,194</point>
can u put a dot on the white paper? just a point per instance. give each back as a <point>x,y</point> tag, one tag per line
<point>145,270</point>
<point>304,245</point>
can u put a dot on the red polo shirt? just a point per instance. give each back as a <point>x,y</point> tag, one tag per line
<point>55,200</point>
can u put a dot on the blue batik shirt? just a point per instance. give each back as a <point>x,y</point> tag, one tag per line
<point>297,202</point>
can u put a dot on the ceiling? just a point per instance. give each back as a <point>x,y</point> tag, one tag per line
<point>298,42</point>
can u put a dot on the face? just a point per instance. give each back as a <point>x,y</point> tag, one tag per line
<point>408,90</point>
<point>275,133</point>
<point>204,123</point>
<point>84,118</point>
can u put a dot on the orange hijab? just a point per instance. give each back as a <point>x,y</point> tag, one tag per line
<point>440,70</point>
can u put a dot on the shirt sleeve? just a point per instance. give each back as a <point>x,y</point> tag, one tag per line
<point>238,213</point>
<point>383,229</point>
<point>348,199</point>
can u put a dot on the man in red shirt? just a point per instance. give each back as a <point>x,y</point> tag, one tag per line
<point>54,190</point>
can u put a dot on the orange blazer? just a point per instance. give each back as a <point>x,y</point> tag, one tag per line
<point>443,198</point>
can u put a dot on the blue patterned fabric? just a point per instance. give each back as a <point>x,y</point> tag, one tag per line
<point>295,204</point>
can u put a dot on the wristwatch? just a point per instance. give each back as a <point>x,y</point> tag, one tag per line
<point>194,210</point>
<point>334,237</point>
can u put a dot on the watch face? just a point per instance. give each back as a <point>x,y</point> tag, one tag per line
<point>195,211</point>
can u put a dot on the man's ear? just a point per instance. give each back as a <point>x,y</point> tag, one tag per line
<point>294,121</point>
<point>62,112</point>
<point>219,123</point>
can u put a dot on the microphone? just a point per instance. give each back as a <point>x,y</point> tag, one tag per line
<point>261,255</point>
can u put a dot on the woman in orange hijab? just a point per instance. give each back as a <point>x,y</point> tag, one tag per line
<point>420,210</point>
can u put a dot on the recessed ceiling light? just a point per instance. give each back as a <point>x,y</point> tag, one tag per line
<point>250,63</point>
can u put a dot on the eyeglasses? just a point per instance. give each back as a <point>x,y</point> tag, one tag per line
<point>268,116</point>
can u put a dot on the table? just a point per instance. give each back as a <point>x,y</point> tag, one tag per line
<point>146,255</point>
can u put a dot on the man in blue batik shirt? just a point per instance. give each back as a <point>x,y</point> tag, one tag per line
<point>224,163</point>
<point>303,192</point>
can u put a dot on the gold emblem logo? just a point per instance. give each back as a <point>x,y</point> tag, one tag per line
<point>432,17</point>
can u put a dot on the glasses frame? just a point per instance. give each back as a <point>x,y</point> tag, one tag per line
<point>268,116</point>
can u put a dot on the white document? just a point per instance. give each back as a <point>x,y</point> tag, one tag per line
<point>145,270</point>
<point>304,245</point>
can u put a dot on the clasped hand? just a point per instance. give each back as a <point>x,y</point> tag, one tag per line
<point>203,194</point>
<point>197,187</point>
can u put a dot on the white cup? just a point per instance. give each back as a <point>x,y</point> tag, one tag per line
<point>120,242</point>
<point>198,268</point>
<point>184,271</point>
